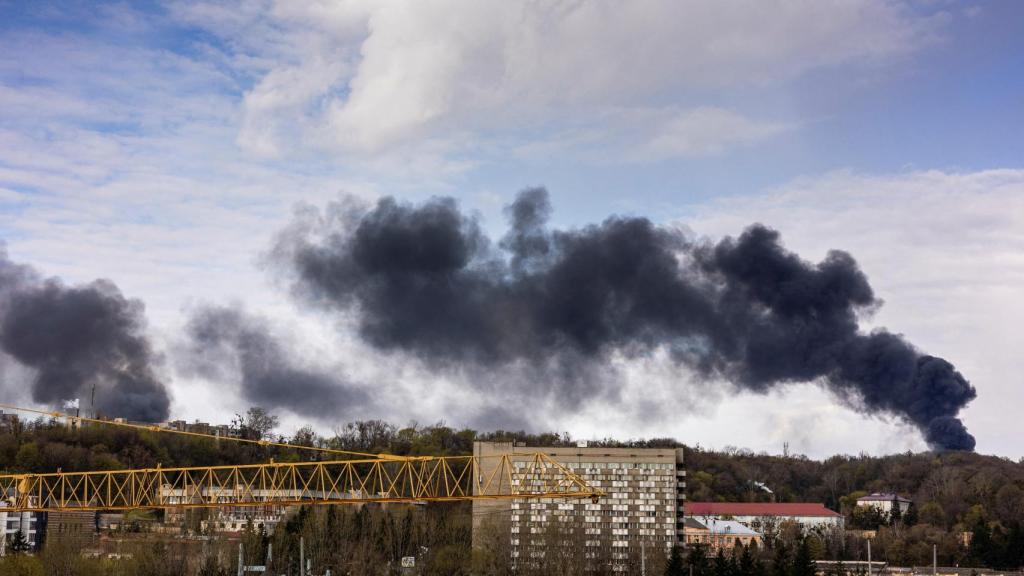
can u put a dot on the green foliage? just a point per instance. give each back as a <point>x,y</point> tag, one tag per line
<point>18,544</point>
<point>952,492</point>
<point>21,565</point>
<point>782,563</point>
<point>697,561</point>
<point>803,560</point>
<point>675,566</point>
<point>867,518</point>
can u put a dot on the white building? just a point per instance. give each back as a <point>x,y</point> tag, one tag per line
<point>13,522</point>
<point>765,517</point>
<point>886,502</point>
<point>262,508</point>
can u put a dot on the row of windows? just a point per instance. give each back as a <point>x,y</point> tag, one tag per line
<point>598,525</point>
<point>620,465</point>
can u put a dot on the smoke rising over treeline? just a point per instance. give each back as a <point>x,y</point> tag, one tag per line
<point>76,339</point>
<point>226,343</point>
<point>425,280</point>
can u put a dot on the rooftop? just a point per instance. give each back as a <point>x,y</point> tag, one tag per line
<point>758,509</point>
<point>882,497</point>
<point>721,527</point>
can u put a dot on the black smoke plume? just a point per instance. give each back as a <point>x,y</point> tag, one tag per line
<point>228,343</point>
<point>77,339</point>
<point>424,279</point>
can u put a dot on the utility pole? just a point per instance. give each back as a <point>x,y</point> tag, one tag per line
<point>643,558</point>
<point>241,560</point>
<point>302,556</point>
<point>869,557</point>
<point>935,560</point>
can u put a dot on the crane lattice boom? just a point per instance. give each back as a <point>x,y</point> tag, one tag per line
<point>423,479</point>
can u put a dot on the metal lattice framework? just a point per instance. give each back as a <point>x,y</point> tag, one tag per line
<point>357,481</point>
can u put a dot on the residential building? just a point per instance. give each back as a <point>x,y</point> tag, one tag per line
<point>219,430</point>
<point>718,535</point>
<point>8,421</point>
<point>30,524</point>
<point>766,517</point>
<point>74,527</point>
<point>228,518</point>
<point>885,501</point>
<point>645,491</point>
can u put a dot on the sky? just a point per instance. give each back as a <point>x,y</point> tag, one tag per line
<point>163,146</point>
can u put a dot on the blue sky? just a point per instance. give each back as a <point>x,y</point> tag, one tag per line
<point>161,145</point>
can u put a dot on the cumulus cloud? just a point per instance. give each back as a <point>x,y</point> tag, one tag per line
<point>379,75</point>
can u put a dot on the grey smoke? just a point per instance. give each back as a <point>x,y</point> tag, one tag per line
<point>226,339</point>
<point>79,338</point>
<point>426,281</point>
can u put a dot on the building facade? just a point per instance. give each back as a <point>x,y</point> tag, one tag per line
<point>73,527</point>
<point>885,502</point>
<point>30,524</point>
<point>717,535</point>
<point>645,491</point>
<point>766,517</point>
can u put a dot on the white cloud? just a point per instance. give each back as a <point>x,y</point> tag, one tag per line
<point>372,76</point>
<point>703,132</point>
<point>126,164</point>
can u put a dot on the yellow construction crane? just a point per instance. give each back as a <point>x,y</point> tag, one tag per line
<point>356,479</point>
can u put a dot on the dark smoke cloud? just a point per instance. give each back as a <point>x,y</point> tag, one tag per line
<point>226,339</point>
<point>77,338</point>
<point>425,280</point>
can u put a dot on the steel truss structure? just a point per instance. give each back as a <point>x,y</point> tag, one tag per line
<point>355,481</point>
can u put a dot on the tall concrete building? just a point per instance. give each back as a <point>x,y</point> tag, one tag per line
<point>642,509</point>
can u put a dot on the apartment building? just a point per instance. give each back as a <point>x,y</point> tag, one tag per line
<point>30,524</point>
<point>643,507</point>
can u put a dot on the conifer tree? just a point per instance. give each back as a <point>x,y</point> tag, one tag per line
<point>18,543</point>
<point>803,563</point>
<point>697,561</point>
<point>746,564</point>
<point>781,564</point>
<point>675,566</point>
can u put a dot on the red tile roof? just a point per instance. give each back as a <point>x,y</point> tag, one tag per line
<point>757,509</point>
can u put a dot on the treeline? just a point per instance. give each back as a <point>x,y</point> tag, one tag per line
<point>969,506</point>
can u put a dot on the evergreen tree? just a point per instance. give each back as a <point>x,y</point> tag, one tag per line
<point>910,518</point>
<point>675,566</point>
<point>982,545</point>
<point>781,564</point>
<point>18,544</point>
<point>897,513</point>
<point>1013,557</point>
<point>803,563</point>
<point>697,561</point>
<point>720,567</point>
<point>746,565</point>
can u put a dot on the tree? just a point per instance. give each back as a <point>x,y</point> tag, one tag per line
<point>781,564</point>
<point>724,565</point>
<point>18,544</point>
<point>675,565</point>
<point>257,424</point>
<point>803,560</point>
<point>982,547</point>
<point>697,561</point>
<point>746,563</point>
<point>932,513</point>
<point>897,512</point>
<point>910,518</point>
